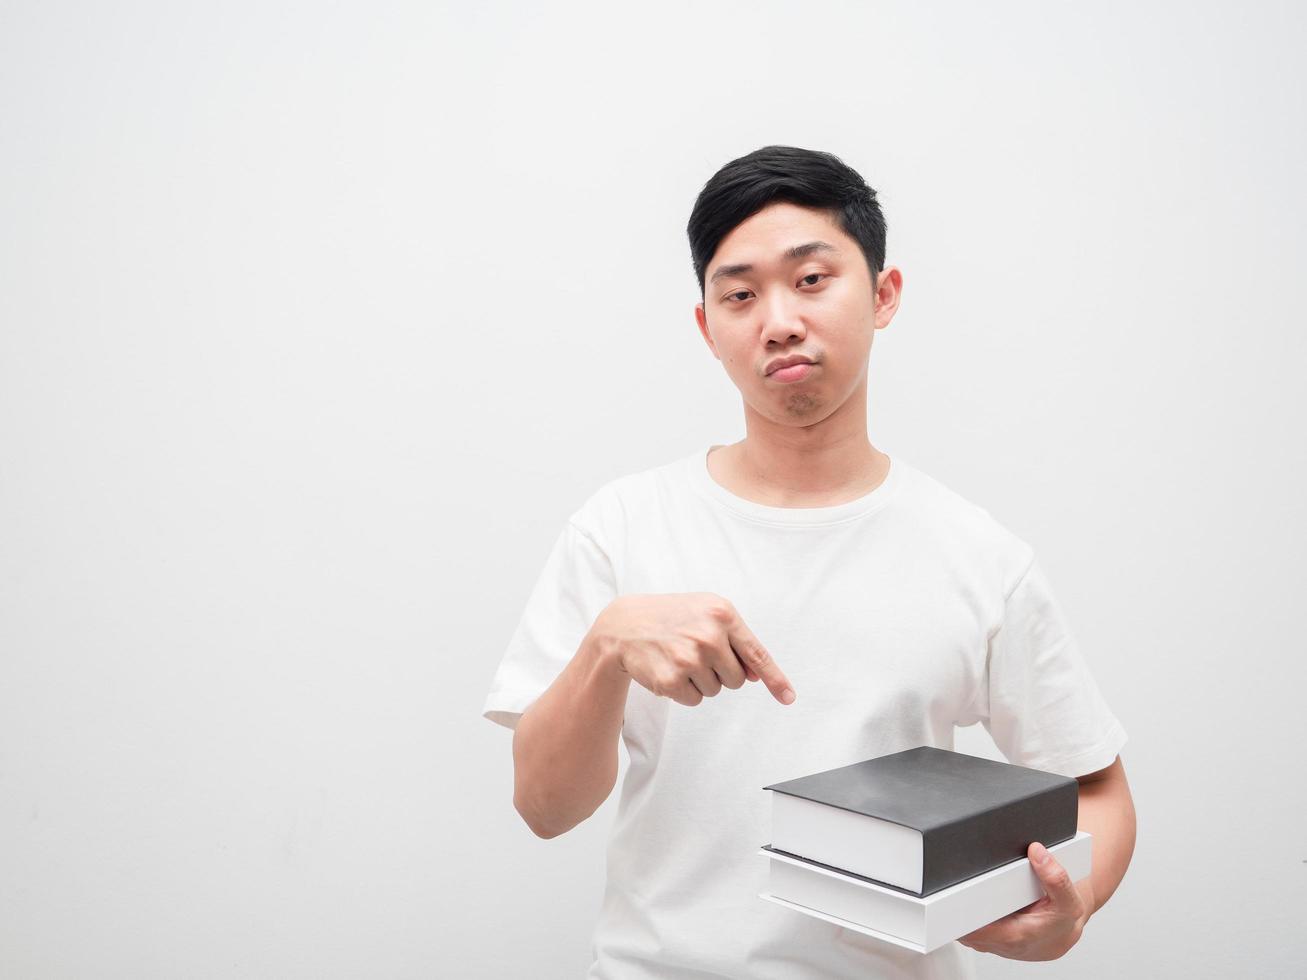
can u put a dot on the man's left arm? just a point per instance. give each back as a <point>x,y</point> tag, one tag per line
<point>1107,811</point>
<point>1052,925</point>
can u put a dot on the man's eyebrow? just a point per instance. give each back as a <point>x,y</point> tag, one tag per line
<point>795,252</point>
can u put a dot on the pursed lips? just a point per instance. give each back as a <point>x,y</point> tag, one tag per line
<point>787,362</point>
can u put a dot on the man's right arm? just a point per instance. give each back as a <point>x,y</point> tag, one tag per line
<point>683,646</point>
<point>565,743</point>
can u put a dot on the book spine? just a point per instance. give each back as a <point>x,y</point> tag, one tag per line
<point>965,848</point>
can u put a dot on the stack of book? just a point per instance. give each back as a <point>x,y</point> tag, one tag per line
<point>919,847</point>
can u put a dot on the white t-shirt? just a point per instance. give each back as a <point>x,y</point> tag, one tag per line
<point>896,616</point>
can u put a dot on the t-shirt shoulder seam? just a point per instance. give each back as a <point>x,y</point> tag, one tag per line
<point>1002,617</point>
<point>1030,563</point>
<point>586,534</point>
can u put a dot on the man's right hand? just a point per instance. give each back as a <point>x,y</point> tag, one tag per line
<point>686,646</point>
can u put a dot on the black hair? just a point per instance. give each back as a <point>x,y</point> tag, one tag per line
<point>810,178</point>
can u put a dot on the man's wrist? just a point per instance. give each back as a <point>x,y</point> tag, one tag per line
<point>602,655</point>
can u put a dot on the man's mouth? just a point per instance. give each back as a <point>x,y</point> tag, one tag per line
<point>795,372</point>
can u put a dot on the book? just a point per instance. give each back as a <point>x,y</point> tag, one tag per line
<point>922,820</point>
<point>895,916</point>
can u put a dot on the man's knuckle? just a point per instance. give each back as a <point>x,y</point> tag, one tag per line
<point>720,610</point>
<point>664,683</point>
<point>701,640</point>
<point>685,658</point>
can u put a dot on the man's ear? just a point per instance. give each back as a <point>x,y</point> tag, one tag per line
<point>702,319</point>
<point>889,290</point>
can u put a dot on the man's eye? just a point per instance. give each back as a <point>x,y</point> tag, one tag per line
<point>730,297</point>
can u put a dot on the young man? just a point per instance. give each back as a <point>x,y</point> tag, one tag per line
<point>876,609</point>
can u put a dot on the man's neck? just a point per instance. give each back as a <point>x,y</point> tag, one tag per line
<point>787,466</point>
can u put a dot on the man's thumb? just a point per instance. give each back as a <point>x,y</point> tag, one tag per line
<point>1055,878</point>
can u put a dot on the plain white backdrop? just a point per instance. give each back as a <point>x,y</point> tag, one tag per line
<point>318,321</point>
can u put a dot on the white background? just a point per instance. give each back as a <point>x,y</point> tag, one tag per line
<point>319,320</point>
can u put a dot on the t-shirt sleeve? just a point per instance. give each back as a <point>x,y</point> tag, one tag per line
<point>573,588</point>
<point>1039,701</point>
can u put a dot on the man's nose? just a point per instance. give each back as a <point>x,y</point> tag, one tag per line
<point>781,320</point>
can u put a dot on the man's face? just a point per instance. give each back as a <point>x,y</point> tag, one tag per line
<point>817,304</point>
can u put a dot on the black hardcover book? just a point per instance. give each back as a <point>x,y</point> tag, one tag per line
<point>923,819</point>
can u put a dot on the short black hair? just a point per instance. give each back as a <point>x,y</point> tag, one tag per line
<point>810,178</point>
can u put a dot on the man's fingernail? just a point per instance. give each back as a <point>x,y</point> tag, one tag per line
<point>787,696</point>
<point>1041,852</point>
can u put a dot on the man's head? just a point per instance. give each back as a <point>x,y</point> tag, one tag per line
<point>789,249</point>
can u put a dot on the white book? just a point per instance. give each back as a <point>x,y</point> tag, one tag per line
<point>916,923</point>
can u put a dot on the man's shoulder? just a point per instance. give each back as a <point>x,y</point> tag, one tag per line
<point>632,495</point>
<point>931,492</point>
<point>959,523</point>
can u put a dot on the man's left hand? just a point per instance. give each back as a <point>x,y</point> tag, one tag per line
<point>1046,929</point>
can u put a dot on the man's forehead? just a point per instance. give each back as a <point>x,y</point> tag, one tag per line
<point>785,220</point>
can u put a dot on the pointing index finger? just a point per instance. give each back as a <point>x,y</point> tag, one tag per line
<point>757,660</point>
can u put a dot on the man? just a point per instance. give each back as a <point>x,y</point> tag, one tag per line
<point>876,608</point>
